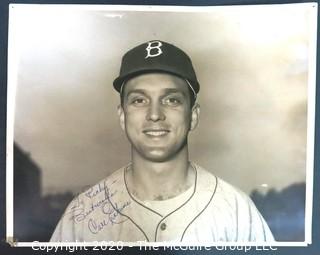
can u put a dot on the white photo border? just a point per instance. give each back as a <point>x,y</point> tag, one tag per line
<point>12,82</point>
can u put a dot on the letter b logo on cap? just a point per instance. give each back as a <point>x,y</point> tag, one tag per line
<point>153,49</point>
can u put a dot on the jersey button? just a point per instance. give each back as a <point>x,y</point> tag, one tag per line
<point>163,226</point>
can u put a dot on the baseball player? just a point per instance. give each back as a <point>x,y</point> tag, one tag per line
<point>160,196</point>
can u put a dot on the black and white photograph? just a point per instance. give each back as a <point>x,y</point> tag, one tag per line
<point>161,124</point>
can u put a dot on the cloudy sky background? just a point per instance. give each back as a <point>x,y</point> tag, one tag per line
<point>252,63</point>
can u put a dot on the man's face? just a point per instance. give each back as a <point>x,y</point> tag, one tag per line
<point>156,115</point>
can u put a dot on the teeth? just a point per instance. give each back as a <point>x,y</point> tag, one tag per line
<point>156,133</point>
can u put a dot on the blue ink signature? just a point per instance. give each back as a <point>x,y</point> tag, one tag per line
<point>78,210</point>
<point>97,189</point>
<point>112,212</point>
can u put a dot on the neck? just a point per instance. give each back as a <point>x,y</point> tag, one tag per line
<point>149,180</point>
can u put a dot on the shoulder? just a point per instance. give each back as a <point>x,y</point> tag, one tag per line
<point>223,190</point>
<point>115,179</point>
<point>89,200</point>
<point>88,204</point>
<point>233,207</point>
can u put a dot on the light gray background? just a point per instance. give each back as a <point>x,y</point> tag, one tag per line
<point>251,61</point>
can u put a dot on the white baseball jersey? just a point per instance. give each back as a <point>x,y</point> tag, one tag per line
<point>209,211</point>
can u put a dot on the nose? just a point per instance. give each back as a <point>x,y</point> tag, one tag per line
<point>155,112</point>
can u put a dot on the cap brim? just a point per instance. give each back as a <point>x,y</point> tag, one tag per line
<point>119,81</point>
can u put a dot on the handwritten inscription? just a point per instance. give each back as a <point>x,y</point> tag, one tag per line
<point>112,212</point>
<point>79,211</point>
<point>97,189</point>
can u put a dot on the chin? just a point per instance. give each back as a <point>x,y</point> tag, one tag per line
<point>156,156</point>
<point>159,153</point>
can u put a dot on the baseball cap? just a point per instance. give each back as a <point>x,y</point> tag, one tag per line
<point>156,56</point>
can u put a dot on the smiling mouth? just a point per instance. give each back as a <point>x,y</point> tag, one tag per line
<point>156,133</point>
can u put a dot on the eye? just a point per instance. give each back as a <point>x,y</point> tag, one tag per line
<point>172,101</point>
<point>138,101</point>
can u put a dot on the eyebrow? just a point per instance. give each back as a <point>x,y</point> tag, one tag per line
<point>138,91</point>
<point>166,91</point>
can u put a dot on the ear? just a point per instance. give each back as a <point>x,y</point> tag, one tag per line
<point>121,117</point>
<point>195,114</point>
